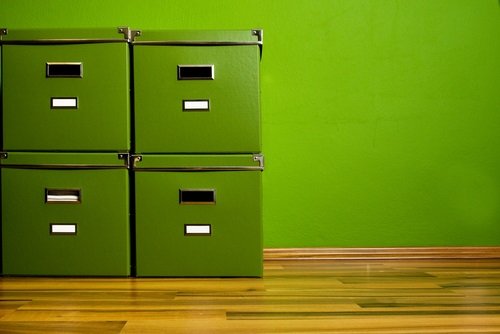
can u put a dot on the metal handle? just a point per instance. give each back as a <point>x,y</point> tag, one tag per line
<point>63,229</point>
<point>64,70</point>
<point>63,196</point>
<point>63,103</point>
<point>195,72</point>
<point>197,230</point>
<point>196,196</point>
<point>195,105</point>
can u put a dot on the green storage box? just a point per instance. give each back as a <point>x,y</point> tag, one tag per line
<point>197,91</point>
<point>198,215</point>
<point>65,90</point>
<point>65,214</point>
<point>0,79</point>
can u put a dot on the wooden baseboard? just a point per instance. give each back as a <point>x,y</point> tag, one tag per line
<point>398,253</point>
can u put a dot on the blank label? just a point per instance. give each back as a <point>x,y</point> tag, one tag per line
<point>197,230</point>
<point>62,228</point>
<point>195,105</point>
<point>64,103</point>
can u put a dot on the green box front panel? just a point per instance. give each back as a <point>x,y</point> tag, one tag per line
<point>101,244</point>
<point>232,123</point>
<point>1,89</point>
<point>101,121</point>
<point>234,247</point>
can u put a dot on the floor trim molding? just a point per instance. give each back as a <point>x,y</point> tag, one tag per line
<point>395,253</point>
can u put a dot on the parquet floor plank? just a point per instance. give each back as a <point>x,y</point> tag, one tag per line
<point>303,296</point>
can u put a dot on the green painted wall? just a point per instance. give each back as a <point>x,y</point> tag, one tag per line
<point>381,117</point>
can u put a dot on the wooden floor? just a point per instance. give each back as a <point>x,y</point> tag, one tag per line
<point>329,296</point>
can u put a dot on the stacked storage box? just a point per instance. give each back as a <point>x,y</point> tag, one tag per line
<point>197,155</point>
<point>176,192</point>
<point>66,134</point>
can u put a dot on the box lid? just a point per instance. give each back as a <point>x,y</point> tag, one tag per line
<point>198,162</point>
<point>64,36</point>
<point>200,37</point>
<point>63,160</point>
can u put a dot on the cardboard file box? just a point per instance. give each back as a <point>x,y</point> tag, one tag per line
<point>65,91</point>
<point>198,216</point>
<point>65,214</point>
<point>197,92</point>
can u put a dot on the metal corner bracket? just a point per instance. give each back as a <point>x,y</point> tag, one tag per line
<point>260,38</point>
<point>130,34</point>
<point>260,35</point>
<point>134,159</point>
<point>125,158</point>
<point>260,159</point>
<point>3,32</point>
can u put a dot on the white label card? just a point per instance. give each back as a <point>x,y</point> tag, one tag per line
<point>64,102</point>
<point>198,105</point>
<point>198,229</point>
<point>63,228</point>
